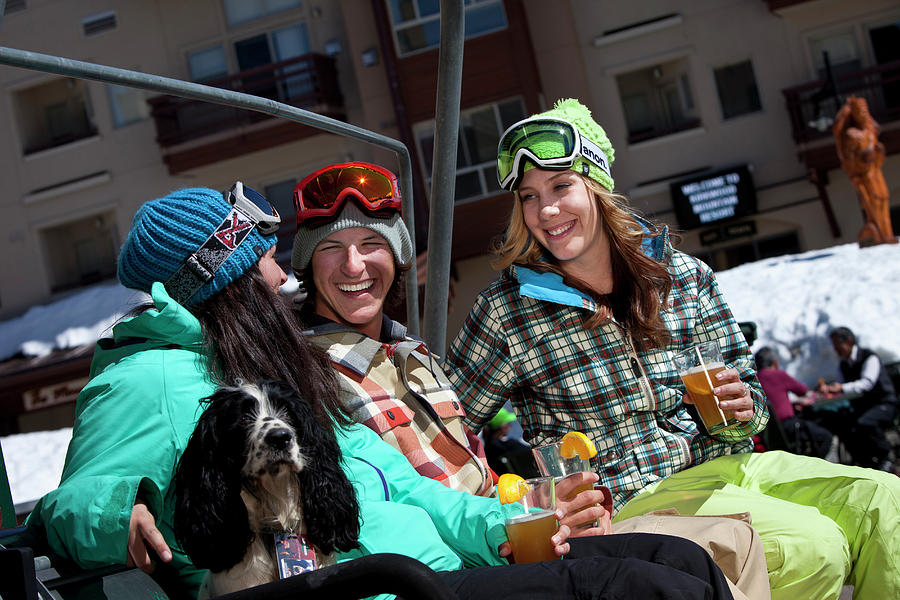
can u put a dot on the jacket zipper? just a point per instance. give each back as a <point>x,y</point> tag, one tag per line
<point>637,369</point>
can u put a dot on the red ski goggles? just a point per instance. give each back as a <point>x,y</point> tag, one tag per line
<point>321,195</point>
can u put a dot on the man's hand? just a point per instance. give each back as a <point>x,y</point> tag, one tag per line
<point>142,533</point>
<point>585,507</point>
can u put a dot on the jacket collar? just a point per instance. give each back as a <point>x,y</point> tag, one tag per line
<point>167,324</point>
<point>354,350</point>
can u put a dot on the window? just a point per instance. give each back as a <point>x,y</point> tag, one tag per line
<point>127,105</point>
<point>885,41</point>
<point>287,83</point>
<point>476,157</point>
<point>53,114</point>
<point>14,6</point>
<point>736,85</point>
<point>417,23</point>
<point>96,24</point>
<point>281,195</point>
<point>241,11</point>
<point>81,252</point>
<point>207,64</point>
<point>843,53</point>
<point>657,100</point>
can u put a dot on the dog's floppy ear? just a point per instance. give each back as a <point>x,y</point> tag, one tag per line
<point>210,517</point>
<point>330,509</point>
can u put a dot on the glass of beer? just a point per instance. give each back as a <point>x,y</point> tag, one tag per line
<point>697,367</point>
<point>529,533</point>
<point>551,463</point>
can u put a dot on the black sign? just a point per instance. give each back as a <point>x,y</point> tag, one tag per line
<point>727,232</point>
<point>713,197</point>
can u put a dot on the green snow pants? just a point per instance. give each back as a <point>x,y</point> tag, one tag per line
<point>822,525</point>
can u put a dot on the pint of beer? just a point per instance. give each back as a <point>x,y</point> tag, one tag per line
<point>529,533</point>
<point>697,367</point>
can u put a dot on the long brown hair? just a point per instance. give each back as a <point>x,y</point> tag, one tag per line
<point>641,285</point>
<point>253,333</point>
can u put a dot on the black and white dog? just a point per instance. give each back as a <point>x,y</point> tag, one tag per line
<point>259,464</point>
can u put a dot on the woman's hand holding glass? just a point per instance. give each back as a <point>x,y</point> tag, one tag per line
<point>732,393</point>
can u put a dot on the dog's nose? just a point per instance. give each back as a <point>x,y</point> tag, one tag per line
<point>278,438</point>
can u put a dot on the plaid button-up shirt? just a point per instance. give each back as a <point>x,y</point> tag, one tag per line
<point>524,341</point>
<point>397,389</point>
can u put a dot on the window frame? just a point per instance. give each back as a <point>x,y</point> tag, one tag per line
<point>436,17</point>
<point>114,108</point>
<point>265,13</point>
<point>425,129</point>
<point>659,82</point>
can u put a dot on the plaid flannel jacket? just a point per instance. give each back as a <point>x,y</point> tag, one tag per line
<point>398,390</point>
<point>524,341</point>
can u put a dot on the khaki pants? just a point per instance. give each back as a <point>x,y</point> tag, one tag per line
<point>730,540</point>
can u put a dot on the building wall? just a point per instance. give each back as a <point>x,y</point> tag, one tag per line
<point>547,51</point>
<point>710,34</point>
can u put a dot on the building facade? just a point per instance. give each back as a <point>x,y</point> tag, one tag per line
<point>716,105</point>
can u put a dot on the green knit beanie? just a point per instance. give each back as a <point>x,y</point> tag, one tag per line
<point>579,115</point>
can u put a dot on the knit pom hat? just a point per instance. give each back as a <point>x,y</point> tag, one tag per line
<point>502,418</point>
<point>393,230</point>
<point>167,230</point>
<point>579,115</point>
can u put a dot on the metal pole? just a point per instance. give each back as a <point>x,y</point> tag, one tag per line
<point>443,180</point>
<point>186,89</point>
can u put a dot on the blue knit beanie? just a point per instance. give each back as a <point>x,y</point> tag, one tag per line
<point>167,230</point>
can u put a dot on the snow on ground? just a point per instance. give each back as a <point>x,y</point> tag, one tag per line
<point>34,462</point>
<point>795,301</point>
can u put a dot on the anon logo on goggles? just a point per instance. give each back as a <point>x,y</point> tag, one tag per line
<point>249,209</point>
<point>549,143</point>
<point>322,194</point>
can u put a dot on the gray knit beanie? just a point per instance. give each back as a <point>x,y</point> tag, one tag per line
<point>393,230</point>
<point>167,230</point>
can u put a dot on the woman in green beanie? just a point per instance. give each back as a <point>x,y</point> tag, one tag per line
<point>578,332</point>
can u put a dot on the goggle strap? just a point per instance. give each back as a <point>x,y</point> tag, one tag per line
<point>201,266</point>
<point>594,154</point>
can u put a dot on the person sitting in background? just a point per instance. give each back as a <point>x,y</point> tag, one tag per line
<point>776,383</point>
<point>862,373</point>
<point>497,441</point>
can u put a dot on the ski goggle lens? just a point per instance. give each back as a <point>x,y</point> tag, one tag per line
<point>321,195</point>
<point>547,142</point>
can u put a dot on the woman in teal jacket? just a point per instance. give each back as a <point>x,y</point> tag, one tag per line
<point>206,258</point>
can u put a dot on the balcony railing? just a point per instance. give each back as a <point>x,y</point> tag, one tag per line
<point>811,116</point>
<point>308,81</point>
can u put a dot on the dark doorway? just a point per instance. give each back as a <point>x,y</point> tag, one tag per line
<point>254,52</point>
<point>886,47</point>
